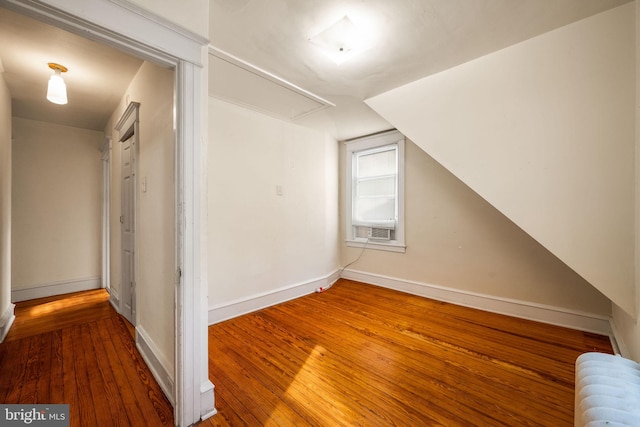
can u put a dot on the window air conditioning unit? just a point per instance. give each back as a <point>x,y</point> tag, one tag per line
<point>373,233</point>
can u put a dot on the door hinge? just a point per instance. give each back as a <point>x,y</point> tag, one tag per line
<point>178,275</point>
<point>121,219</point>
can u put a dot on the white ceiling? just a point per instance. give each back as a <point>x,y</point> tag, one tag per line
<point>413,38</point>
<point>98,75</point>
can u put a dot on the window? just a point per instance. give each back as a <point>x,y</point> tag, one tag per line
<point>375,191</point>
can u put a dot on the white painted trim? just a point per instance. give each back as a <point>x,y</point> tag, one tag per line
<point>206,394</point>
<point>128,128</point>
<point>147,15</point>
<point>6,321</point>
<point>247,66</point>
<point>558,316</point>
<point>380,246</point>
<point>142,34</point>
<point>114,300</point>
<point>354,145</point>
<point>156,363</point>
<point>129,119</point>
<point>619,347</point>
<point>106,213</point>
<point>194,391</point>
<point>256,302</point>
<point>55,288</point>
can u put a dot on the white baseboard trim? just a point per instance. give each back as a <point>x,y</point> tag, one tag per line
<point>156,363</point>
<point>242,306</point>
<point>114,300</point>
<point>6,321</point>
<point>55,288</point>
<point>206,398</point>
<point>617,342</point>
<point>558,316</point>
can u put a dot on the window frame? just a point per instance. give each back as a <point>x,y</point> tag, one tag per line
<point>368,143</point>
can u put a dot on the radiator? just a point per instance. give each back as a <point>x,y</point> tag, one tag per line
<point>607,391</point>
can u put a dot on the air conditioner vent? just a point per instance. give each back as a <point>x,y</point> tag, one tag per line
<point>380,233</point>
<point>373,233</point>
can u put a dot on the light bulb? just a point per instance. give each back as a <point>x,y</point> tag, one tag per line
<point>57,90</point>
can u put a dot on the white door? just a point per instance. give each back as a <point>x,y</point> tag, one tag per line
<point>128,226</point>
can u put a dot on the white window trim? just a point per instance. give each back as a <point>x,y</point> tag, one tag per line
<point>366,143</point>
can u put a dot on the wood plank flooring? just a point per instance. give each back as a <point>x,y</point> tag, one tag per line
<point>360,355</point>
<point>354,355</point>
<point>76,349</point>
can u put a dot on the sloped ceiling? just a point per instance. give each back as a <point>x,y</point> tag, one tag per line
<point>411,39</point>
<point>544,131</point>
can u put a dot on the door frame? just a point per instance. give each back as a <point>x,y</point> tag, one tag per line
<point>126,26</point>
<point>128,127</point>
<point>106,214</point>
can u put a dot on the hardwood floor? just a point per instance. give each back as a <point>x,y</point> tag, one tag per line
<point>76,349</point>
<point>354,355</point>
<point>368,356</point>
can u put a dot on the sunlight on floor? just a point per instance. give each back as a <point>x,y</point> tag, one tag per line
<point>310,386</point>
<point>50,307</point>
<point>73,301</point>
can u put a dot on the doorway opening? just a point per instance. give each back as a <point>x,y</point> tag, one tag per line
<point>151,39</point>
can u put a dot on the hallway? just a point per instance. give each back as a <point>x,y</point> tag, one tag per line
<point>76,349</point>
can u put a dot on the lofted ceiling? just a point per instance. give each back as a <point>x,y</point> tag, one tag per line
<point>411,39</point>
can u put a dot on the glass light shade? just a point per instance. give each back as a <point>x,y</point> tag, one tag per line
<point>342,40</point>
<point>57,91</point>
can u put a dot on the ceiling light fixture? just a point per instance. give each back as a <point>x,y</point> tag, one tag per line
<point>57,90</point>
<point>342,40</point>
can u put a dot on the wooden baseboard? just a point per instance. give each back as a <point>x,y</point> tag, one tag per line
<point>156,363</point>
<point>558,316</point>
<point>6,321</point>
<point>247,305</point>
<point>55,288</point>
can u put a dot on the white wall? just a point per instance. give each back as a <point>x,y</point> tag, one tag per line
<point>152,87</point>
<point>6,308</point>
<point>627,326</point>
<point>628,333</point>
<point>544,130</point>
<point>456,240</point>
<point>261,242</point>
<point>56,202</point>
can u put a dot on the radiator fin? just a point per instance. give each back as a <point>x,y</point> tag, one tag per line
<point>607,391</point>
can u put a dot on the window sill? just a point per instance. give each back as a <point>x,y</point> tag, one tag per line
<point>377,245</point>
